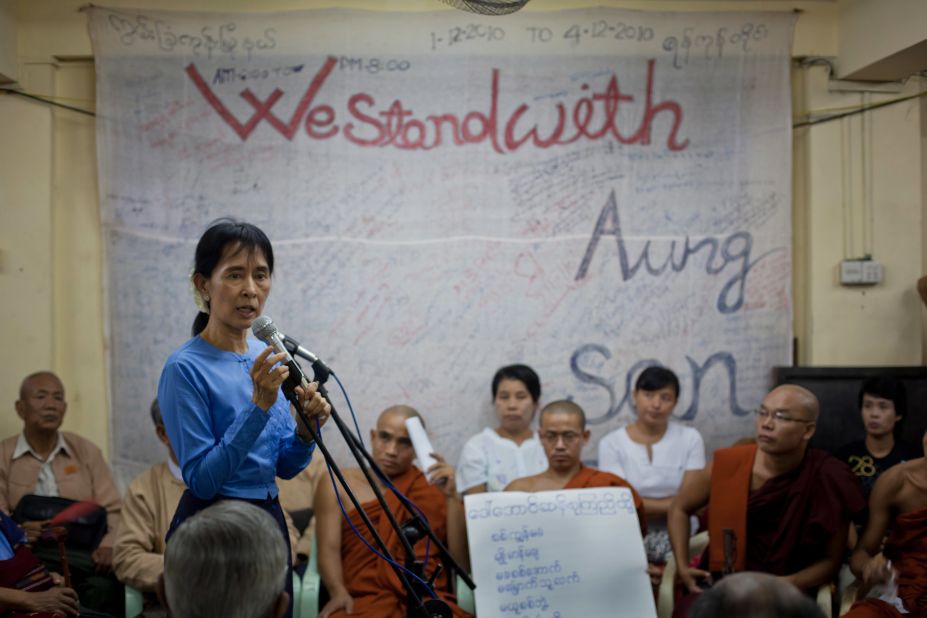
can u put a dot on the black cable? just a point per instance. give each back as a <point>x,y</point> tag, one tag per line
<point>50,102</point>
<point>797,125</point>
<point>811,123</point>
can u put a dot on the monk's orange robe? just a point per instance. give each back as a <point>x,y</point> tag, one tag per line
<point>590,477</point>
<point>785,525</point>
<point>906,547</point>
<point>371,581</point>
<point>791,518</point>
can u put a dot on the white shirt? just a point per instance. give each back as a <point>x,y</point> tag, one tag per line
<point>681,448</point>
<point>489,458</point>
<point>175,469</point>
<point>46,485</point>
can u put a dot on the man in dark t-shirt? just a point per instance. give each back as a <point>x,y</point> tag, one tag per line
<point>867,467</point>
<point>883,405</point>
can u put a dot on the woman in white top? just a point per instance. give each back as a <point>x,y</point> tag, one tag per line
<point>654,453</point>
<point>493,458</point>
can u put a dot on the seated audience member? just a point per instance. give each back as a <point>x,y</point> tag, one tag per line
<point>654,453</point>
<point>757,595</point>
<point>44,461</point>
<point>296,497</point>
<point>359,583</point>
<point>147,510</point>
<point>227,560</point>
<point>26,586</point>
<point>898,505</point>
<point>493,458</point>
<point>883,404</point>
<point>777,506</point>
<point>563,433</point>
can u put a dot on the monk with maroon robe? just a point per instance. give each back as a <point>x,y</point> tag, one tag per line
<point>899,501</point>
<point>563,434</point>
<point>776,506</point>
<point>358,581</point>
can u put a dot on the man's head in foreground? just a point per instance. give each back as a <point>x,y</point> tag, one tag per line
<point>757,595</point>
<point>227,560</point>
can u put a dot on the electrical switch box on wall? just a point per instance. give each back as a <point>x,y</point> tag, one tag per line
<point>860,272</point>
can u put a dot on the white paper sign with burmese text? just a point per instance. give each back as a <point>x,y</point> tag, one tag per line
<point>558,554</point>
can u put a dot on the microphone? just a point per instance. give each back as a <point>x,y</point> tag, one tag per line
<point>295,347</point>
<point>320,370</point>
<point>265,330</point>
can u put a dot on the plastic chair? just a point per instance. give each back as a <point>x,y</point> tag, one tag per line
<point>847,589</point>
<point>465,599</point>
<point>309,589</point>
<point>665,599</point>
<point>297,594</point>
<point>134,602</point>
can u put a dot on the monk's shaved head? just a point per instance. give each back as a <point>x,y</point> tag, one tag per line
<point>804,399</point>
<point>564,406</point>
<point>29,379</point>
<point>401,411</point>
<point>758,595</point>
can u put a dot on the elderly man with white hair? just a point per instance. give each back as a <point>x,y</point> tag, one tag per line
<point>227,560</point>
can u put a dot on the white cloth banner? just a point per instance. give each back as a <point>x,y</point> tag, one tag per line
<point>586,191</point>
<point>558,554</point>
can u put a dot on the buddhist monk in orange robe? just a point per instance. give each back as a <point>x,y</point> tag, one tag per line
<point>899,498</point>
<point>359,582</point>
<point>563,434</point>
<point>787,507</point>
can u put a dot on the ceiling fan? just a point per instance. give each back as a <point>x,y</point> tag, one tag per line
<point>488,7</point>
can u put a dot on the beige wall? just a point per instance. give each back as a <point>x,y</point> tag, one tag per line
<point>870,30</point>
<point>26,248</point>
<point>8,39</point>
<point>50,242</point>
<point>840,325</point>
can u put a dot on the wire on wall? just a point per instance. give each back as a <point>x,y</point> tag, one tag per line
<point>858,110</point>
<point>846,186</point>
<point>49,101</point>
<point>869,191</point>
<point>795,125</point>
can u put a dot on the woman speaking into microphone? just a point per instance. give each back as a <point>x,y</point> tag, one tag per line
<point>220,392</point>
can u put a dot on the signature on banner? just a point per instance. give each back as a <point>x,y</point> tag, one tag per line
<point>208,41</point>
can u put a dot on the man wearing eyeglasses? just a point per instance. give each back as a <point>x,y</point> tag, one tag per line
<point>563,434</point>
<point>358,581</point>
<point>776,506</point>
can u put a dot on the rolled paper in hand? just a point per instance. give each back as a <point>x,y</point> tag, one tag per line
<point>420,443</point>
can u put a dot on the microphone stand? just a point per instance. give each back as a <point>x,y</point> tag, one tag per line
<point>416,606</point>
